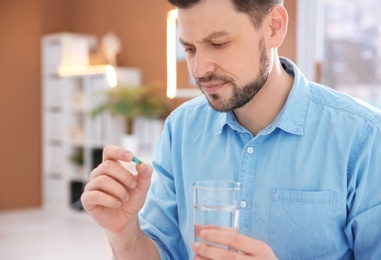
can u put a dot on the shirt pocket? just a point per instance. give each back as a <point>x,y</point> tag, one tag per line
<point>302,224</point>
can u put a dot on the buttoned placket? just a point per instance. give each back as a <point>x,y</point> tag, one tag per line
<point>248,163</point>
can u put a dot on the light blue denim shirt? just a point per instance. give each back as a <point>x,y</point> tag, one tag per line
<point>311,180</point>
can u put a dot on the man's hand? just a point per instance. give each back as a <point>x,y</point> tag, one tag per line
<point>240,247</point>
<point>114,196</point>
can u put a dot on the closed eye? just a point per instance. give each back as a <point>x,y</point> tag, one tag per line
<point>189,49</point>
<point>219,45</point>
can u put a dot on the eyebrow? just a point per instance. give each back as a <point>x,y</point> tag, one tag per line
<point>208,38</point>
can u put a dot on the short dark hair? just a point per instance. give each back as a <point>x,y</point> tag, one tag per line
<point>255,9</point>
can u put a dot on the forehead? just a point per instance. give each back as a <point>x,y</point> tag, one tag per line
<point>209,16</point>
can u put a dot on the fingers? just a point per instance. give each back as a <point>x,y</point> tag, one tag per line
<point>237,243</point>
<point>116,153</point>
<point>109,186</point>
<point>114,180</point>
<point>205,252</point>
<point>215,248</point>
<point>112,154</point>
<point>94,198</point>
<point>225,237</point>
<point>115,170</point>
<point>144,173</point>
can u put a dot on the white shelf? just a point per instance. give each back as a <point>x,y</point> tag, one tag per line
<point>68,126</point>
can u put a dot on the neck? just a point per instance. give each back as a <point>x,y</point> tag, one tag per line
<point>268,102</point>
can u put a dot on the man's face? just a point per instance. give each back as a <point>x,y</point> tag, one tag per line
<point>225,54</point>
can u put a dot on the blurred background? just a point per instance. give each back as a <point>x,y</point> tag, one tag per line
<point>141,27</point>
<point>337,44</point>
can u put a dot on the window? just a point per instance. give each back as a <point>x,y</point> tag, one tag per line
<point>352,48</point>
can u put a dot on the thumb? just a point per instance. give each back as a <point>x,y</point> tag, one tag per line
<point>144,176</point>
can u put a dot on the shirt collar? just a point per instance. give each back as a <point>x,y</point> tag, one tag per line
<point>292,117</point>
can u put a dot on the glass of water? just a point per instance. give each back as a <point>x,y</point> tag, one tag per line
<point>216,205</point>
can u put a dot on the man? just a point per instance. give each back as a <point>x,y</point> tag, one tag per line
<point>308,158</point>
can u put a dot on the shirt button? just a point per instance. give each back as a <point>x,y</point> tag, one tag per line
<point>243,204</point>
<point>250,150</point>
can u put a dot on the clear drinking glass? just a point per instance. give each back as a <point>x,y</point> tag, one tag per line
<point>216,205</point>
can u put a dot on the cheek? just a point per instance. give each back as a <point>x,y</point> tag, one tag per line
<point>242,65</point>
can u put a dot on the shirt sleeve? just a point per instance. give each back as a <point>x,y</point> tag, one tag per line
<point>363,228</point>
<point>159,217</point>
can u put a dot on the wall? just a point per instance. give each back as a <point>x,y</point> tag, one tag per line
<point>20,103</point>
<point>288,48</point>
<point>23,22</point>
<point>142,29</point>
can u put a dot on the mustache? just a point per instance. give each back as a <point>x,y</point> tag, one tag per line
<point>212,77</point>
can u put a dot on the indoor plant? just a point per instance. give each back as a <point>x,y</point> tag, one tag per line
<point>132,102</point>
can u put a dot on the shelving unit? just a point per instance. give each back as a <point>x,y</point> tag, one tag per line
<point>70,134</point>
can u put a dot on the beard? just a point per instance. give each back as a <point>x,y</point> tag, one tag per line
<point>241,95</point>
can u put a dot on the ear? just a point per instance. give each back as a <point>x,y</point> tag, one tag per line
<point>277,21</point>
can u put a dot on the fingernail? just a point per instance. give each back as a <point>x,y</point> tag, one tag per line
<point>195,248</point>
<point>127,156</point>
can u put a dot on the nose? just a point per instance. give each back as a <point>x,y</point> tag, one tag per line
<point>202,64</point>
